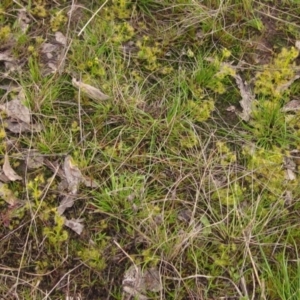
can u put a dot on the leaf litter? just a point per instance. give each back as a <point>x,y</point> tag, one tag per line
<point>75,224</point>
<point>71,179</point>
<point>52,54</point>
<point>8,175</point>
<point>18,116</point>
<point>15,109</point>
<point>10,63</point>
<point>8,170</point>
<point>138,282</point>
<point>89,90</point>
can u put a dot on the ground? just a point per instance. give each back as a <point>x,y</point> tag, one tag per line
<point>149,149</point>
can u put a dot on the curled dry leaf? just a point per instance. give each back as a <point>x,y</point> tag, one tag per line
<point>67,202</point>
<point>7,195</point>
<point>75,225</point>
<point>73,175</point>
<point>48,48</point>
<point>247,97</point>
<point>4,178</point>
<point>137,282</point>
<point>60,38</point>
<point>293,105</point>
<point>8,170</point>
<point>290,175</point>
<point>16,110</point>
<point>19,127</point>
<point>89,90</point>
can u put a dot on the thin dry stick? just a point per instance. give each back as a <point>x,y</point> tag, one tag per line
<point>79,113</point>
<point>92,17</point>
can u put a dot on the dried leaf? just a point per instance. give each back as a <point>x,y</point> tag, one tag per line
<point>137,282</point>
<point>4,178</point>
<point>290,175</point>
<point>48,48</point>
<point>16,127</point>
<point>293,105</point>
<point>288,197</point>
<point>19,127</point>
<point>75,225</point>
<point>290,167</point>
<point>15,109</point>
<point>34,159</point>
<point>8,170</point>
<point>67,202</point>
<point>60,38</point>
<point>231,108</point>
<point>247,98</point>
<point>7,195</point>
<point>52,67</point>
<point>73,175</point>
<point>88,182</point>
<point>297,45</point>
<point>89,90</point>
<point>6,56</point>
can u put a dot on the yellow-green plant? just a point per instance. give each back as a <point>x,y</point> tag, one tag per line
<point>273,81</point>
<point>58,20</point>
<point>56,234</point>
<point>93,256</point>
<point>272,88</point>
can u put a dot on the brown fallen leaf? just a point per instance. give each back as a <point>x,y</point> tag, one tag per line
<point>8,170</point>
<point>19,127</point>
<point>293,105</point>
<point>89,90</point>
<point>60,38</point>
<point>6,56</point>
<point>48,48</point>
<point>16,110</point>
<point>75,225</point>
<point>137,282</point>
<point>67,202</point>
<point>7,195</point>
<point>73,175</point>
<point>247,97</point>
<point>4,178</point>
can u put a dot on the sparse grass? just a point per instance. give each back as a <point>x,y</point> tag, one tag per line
<point>179,183</point>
